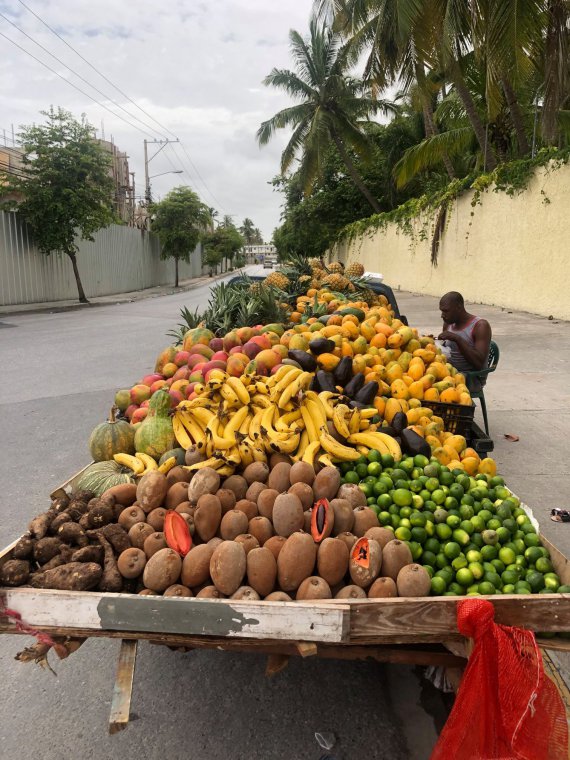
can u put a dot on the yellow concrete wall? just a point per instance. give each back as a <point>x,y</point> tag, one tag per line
<point>513,252</point>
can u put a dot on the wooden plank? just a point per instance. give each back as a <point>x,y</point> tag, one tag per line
<point>206,617</point>
<point>560,562</point>
<point>6,553</point>
<point>61,490</point>
<point>404,620</point>
<point>123,688</point>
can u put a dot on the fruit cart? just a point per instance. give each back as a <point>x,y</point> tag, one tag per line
<point>413,631</point>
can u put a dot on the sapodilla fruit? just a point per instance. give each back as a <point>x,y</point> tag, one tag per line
<point>208,516</point>
<point>296,561</point>
<point>288,515</point>
<point>382,535</point>
<point>364,518</point>
<point>196,565</point>
<point>313,587</point>
<point>351,592</point>
<point>365,562</point>
<point>413,580</point>
<point>327,483</point>
<point>395,556</point>
<point>261,570</point>
<point>382,588</point>
<point>332,560</point>
<point>227,567</point>
<point>343,516</point>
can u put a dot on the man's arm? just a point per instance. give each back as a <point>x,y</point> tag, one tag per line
<point>477,354</point>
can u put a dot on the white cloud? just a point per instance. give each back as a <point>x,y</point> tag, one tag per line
<point>196,66</point>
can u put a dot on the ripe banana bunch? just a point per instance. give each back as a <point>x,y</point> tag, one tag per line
<point>381,442</point>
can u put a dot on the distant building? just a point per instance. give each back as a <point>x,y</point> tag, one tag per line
<point>258,252</point>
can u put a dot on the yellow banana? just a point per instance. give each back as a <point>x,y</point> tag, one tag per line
<point>284,379</point>
<point>180,432</point>
<point>260,400</point>
<point>303,443</point>
<point>225,470</point>
<point>245,452</point>
<point>194,429</point>
<point>310,425</point>
<point>286,445</point>
<point>229,395</point>
<point>367,414</point>
<point>233,456</point>
<point>244,427</point>
<point>392,444</point>
<point>364,425</point>
<point>131,462</point>
<point>326,460</point>
<point>202,416</point>
<point>354,421</point>
<point>255,425</point>
<point>337,450</point>
<point>167,465</point>
<point>301,382</point>
<point>325,399</point>
<point>147,460</point>
<point>363,450</point>
<point>317,411</point>
<point>381,442</point>
<point>235,422</point>
<point>286,420</point>
<point>261,388</point>
<point>340,413</point>
<point>214,462</point>
<point>239,389</point>
<point>217,438</point>
<point>311,452</point>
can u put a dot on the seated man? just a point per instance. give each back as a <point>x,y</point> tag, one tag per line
<point>467,336</point>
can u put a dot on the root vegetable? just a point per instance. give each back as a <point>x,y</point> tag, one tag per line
<point>88,554</point>
<point>24,548</point>
<point>45,549</point>
<point>58,521</point>
<point>74,576</point>
<point>40,524</point>
<point>111,579</point>
<point>131,563</point>
<point>117,537</point>
<point>72,533</point>
<point>15,572</point>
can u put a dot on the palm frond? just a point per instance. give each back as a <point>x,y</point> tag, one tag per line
<point>430,153</point>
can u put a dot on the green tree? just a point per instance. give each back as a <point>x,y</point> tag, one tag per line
<point>257,237</point>
<point>333,108</point>
<point>180,220</point>
<point>247,229</point>
<point>222,244</point>
<point>65,183</point>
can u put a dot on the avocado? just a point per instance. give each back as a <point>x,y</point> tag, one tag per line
<point>307,362</point>
<point>343,371</point>
<point>367,393</point>
<point>400,422</point>
<point>326,381</point>
<point>413,444</point>
<point>354,385</point>
<point>321,346</point>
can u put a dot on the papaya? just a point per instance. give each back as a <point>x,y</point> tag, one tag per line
<point>391,409</point>
<point>399,390</point>
<point>416,390</point>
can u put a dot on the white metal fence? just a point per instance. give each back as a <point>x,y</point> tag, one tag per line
<point>119,260</point>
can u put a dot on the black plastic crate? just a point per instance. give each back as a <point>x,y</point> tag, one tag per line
<point>479,440</point>
<point>457,418</point>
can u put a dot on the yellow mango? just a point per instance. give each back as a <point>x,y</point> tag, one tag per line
<point>407,379</point>
<point>449,450</point>
<point>360,345</point>
<point>449,396</point>
<point>399,389</point>
<point>431,394</point>
<point>392,408</point>
<point>425,355</point>
<point>441,455</point>
<point>459,379</point>
<point>416,390</point>
<point>432,440</point>
<point>457,442</point>
<point>430,427</point>
<point>417,429</point>
<point>426,412</point>
<point>358,364</point>
<point>416,369</point>
<point>465,399</point>
<point>470,465</point>
<point>404,360</point>
<point>414,416</point>
<point>438,421</point>
<point>455,464</point>
<point>443,385</point>
<point>413,345</point>
<point>414,403</point>
<point>470,453</point>
<point>331,330</point>
<point>397,323</point>
<point>395,340</point>
<point>394,372</point>
<point>384,388</point>
<point>406,333</point>
<point>367,330</point>
<point>327,362</point>
<point>299,343</point>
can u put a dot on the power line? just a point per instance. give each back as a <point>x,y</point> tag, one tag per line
<point>211,194</point>
<point>62,63</point>
<point>95,69</point>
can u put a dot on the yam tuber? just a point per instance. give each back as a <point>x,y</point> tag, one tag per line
<point>24,548</point>
<point>117,537</point>
<point>75,576</point>
<point>14,572</point>
<point>40,524</point>
<point>45,549</point>
<point>72,533</point>
<point>111,579</point>
<point>88,554</point>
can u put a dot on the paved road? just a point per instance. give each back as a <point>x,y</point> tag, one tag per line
<point>59,375</point>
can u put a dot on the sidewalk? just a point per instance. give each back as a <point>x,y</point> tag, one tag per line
<point>115,298</point>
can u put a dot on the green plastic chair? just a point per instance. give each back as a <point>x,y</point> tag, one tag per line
<point>492,362</point>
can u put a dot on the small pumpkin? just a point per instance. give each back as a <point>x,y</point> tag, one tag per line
<point>111,437</point>
<point>155,436</point>
<point>178,453</point>
<point>100,476</point>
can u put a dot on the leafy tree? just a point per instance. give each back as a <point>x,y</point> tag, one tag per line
<point>247,229</point>
<point>65,183</point>
<point>180,220</point>
<point>222,243</point>
<point>257,237</point>
<point>332,110</point>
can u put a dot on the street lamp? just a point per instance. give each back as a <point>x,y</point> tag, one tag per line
<point>148,179</point>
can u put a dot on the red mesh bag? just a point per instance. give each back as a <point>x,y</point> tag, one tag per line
<point>506,707</point>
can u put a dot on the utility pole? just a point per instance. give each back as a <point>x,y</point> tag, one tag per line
<point>147,160</point>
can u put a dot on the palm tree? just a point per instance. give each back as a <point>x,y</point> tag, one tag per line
<point>333,108</point>
<point>247,229</point>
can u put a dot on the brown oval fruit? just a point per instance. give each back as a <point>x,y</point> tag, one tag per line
<point>395,556</point>
<point>151,490</point>
<point>204,481</point>
<point>326,483</point>
<point>413,580</point>
<point>179,474</point>
<point>227,499</point>
<point>364,518</point>
<point>124,494</point>
<point>382,588</point>
<point>237,484</point>
<point>288,514</point>
<point>209,592</point>
<point>216,541</point>
<point>192,456</point>
<point>131,562</point>
<point>249,508</point>
<point>227,566</point>
<point>365,562</point>
<point>332,560</point>
<point>176,494</point>
<point>261,528</point>
<point>253,492</point>
<point>248,542</point>
<point>304,493</point>
<point>261,570</point>
<point>302,472</point>
<point>177,589</point>
<point>196,565</point>
<point>347,538</point>
<point>131,516</point>
<point>233,523</point>
<point>186,508</point>
<point>265,502</point>
<point>147,592</point>
<point>322,520</point>
<point>296,561</point>
<point>246,594</point>
<point>351,592</point>
<point>343,516</point>
<point>313,588</point>
<point>156,518</point>
<point>352,493</point>
<point>208,516</point>
<point>275,544</point>
<point>256,471</point>
<point>154,543</point>
<point>139,533</point>
<point>162,570</point>
<point>382,535</point>
<point>279,477</point>
<point>278,596</point>
<point>277,458</point>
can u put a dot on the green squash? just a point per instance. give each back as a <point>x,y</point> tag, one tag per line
<point>110,438</point>
<point>178,453</point>
<point>155,436</point>
<point>100,476</point>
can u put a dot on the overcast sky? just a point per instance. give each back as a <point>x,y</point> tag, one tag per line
<point>194,65</point>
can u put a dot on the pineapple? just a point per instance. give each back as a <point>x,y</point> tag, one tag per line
<point>314,263</point>
<point>335,268</point>
<point>336,281</point>
<point>277,280</point>
<point>255,288</point>
<point>354,270</point>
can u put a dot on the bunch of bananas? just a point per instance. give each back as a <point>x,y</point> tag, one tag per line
<point>236,421</point>
<point>141,463</point>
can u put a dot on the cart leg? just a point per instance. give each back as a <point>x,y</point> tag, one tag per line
<point>123,689</point>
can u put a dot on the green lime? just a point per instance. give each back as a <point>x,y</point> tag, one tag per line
<point>441,561</point>
<point>384,518</point>
<point>467,526</point>
<point>459,562</point>
<point>493,578</point>
<point>416,550</point>
<point>361,470</point>
<point>522,584</point>
<point>503,534</point>
<point>403,534</point>
<point>374,468</point>
<point>457,589</point>
<point>432,545</point>
<point>498,565</point>
<point>374,456</point>
<point>405,523</point>
<point>367,489</point>
<point>508,588</point>
<point>452,550</point>
<point>493,524</point>
<point>477,570</point>
<point>533,554</point>
<point>536,581</point>
<point>416,486</point>
<point>384,501</point>
<point>407,465</point>
<point>432,470</point>
<point>443,531</point>
<point>395,520</point>
<point>544,565</point>
<point>426,495</point>
<point>464,577</point>
<point>461,537</point>
<point>432,484</point>
<point>380,488</point>
<point>531,539</point>
<point>429,568</point>
<point>387,480</point>
<point>417,501</point>
<point>438,586</point>
<point>522,590</point>
<point>428,558</point>
<point>352,477</point>
<point>486,588</point>
<point>438,496</point>
<point>405,512</point>
<point>551,582</point>
<point>419,535</point>
<point>474,555</point>
<point>440,515</point>
<point>446,573</point>
<point>387,460</point>
<point>402,497</point>
<point>477,540</point>
<point>454,521</point>
<point>506,555</point>
<point>421,461</point>
<point>489,552</point>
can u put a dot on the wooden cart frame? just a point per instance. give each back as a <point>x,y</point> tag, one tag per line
<point>418,631</point>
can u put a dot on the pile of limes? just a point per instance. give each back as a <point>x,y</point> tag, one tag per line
<point>470,533</point>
